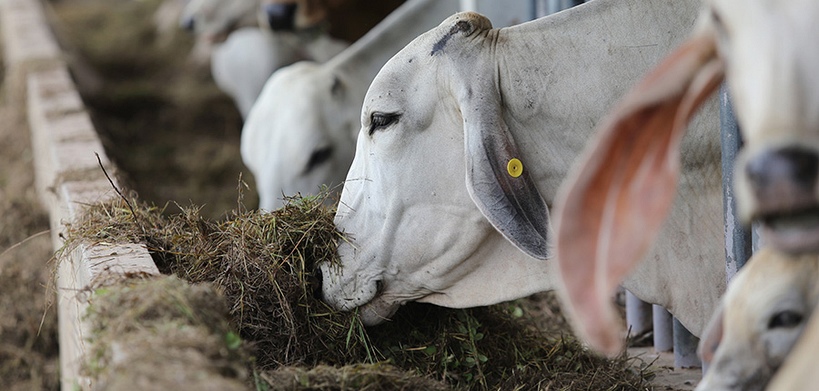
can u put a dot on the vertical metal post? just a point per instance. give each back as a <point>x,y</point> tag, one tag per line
<point>663,341</point>
<point>685,347</point>
<point>738,242</point>
<point>738,239</point>
<point>638,315</point>
<point>553,6</point>
<point>469,5</point>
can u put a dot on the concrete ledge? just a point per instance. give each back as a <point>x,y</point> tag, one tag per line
<point>27,44</point>
<point>68,176</point>
<point>24,22</point>
<point>88,266</point>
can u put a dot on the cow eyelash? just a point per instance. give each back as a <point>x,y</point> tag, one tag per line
<point>380,120</point>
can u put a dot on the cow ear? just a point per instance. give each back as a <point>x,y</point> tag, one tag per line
<point>613,205</point>
<point>712,336</point>
<point>496,174</point>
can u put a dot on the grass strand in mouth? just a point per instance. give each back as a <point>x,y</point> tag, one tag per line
<point>264,265</point>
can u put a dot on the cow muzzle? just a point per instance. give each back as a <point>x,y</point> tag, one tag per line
<point>281,17</point>
<point>377,311</point>
<point>372,307</point>
<point>345,290</point>
<point>781,184</point>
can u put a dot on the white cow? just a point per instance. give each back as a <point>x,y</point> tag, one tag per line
<point>213,20</point>
<point>295,14</point>
<point>764,311</point>
<point>301,133</point>
<point>245,60</point>
<point>766,50</point>
<point>243,55</point>
<point>799,371</point>
<point>466,134</point>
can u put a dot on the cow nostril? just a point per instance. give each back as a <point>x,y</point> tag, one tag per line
<point>318,279</point>
<point>379,287</point>
<point>281,17</point>
<point>318,274</point>
<point>790,166</point>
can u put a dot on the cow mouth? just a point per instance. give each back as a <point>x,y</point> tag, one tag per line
<point>377,311</point>
<point>795,231</point>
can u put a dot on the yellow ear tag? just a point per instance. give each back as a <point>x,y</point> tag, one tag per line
<point>514,167</point>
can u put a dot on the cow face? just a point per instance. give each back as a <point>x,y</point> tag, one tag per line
<point>213,20</point>
<point>306,146</point>
<point>762,315</point>
<point>770,68</point>
<point>427,207</point>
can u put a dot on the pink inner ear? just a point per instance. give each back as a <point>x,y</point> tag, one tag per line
<point>614,206</point>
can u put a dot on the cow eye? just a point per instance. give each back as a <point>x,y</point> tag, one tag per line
<point>380,120</point>
<point>319,156</point>
<point>785,319</point>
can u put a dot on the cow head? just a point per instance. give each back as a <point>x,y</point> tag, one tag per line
<point>776,95</point>
<point>291,15</point>
<point>763,312</point>
<point>297,142</point>
<point>437,201</point>
<point>213,20</point>
<point>622,189</point>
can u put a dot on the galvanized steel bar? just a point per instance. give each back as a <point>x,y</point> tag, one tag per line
<point>662,320</point>
<point>469,5</point>
<point>553,6</point>
<point>738,242</point>
<point>638,315</point>
<point>685,347</point>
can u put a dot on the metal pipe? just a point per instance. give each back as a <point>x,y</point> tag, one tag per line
<point>638,315</point>
<point>553,6</point>
<point>685,347</point>
<point>663,339</point>
<point>469,5</point>
<point>738,242</point>
<point>533,10</point>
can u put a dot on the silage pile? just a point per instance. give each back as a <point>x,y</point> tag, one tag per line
<point>264,265</point>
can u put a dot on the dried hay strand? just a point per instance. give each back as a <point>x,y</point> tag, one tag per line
<point>162,333</point>
<point>264,263</point>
